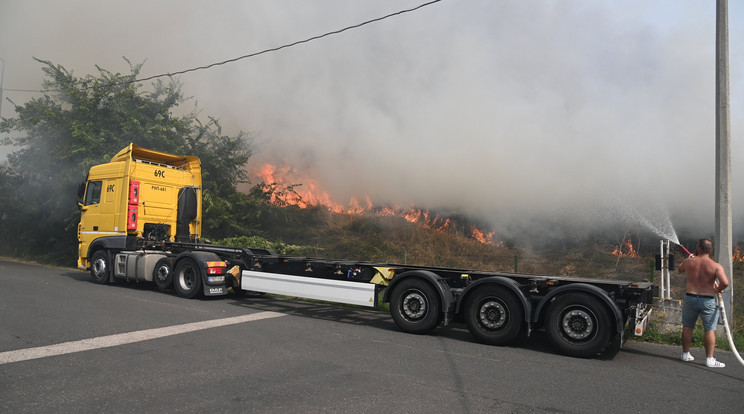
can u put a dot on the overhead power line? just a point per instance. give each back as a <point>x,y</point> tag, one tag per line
<point>288,45</point>
<point>262,52</point>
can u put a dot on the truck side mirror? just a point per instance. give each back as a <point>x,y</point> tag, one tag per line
<point>81,192</point>
<point>81,195</point>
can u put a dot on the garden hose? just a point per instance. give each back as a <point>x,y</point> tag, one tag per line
<point>729,335</point>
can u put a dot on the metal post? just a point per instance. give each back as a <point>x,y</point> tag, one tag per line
<point>723,237</point>
<point>667,270</point>
<point>2,78</point>
<point>662,277</point>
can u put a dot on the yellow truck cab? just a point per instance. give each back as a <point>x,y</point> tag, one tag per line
<point>141,196</point>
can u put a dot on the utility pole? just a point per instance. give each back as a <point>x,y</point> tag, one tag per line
<point>723,237</point>
<point>2,78</point>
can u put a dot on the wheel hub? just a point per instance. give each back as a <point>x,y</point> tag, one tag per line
<point>493,315</point>
<point>99,267</point>
<point>163,272</point>
<point>414,305</point>
<point>186,279</point>
<point>577,324</point>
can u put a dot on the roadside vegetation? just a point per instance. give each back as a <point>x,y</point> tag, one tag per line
<point>83,121</point>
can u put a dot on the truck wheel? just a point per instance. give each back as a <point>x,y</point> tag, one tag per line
<point>579,325</point>
<point>415,306</point>
<point>162,274</point>
<point>187,279</point>
<point>493,315</point>
<point>100,267</point>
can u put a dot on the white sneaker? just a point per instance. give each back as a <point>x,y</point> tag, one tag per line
<point>713,363</point>
<point>687,357</point>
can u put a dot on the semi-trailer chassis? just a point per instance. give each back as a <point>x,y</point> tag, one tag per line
<point>146,227</point>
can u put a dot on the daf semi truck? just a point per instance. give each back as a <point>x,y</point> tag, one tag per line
<point>141,218</point>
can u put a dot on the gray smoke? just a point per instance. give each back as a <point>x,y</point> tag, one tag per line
<point>514,112</point>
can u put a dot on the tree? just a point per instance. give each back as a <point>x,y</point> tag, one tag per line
<point>83,121</point>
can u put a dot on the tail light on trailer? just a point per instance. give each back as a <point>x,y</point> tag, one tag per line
<point>216,271</point>
<point>216,268</point>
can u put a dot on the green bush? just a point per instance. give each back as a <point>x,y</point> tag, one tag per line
<point>279,247</point>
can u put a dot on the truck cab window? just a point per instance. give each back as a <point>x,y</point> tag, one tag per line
<point>93,195</point>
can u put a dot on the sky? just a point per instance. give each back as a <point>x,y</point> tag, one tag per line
<point>513,112</point>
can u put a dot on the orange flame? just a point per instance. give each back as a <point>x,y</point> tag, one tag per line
<point>626,249</point>
<point>481,236</point>
<point>305,192</point>
<point>738,255</point>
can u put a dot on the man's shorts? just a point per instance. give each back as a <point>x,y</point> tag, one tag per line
<point>702,305</point>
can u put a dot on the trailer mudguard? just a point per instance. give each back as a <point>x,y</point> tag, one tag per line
<point>432,278</point>
<point>510,284</point>
<point>583,287</point>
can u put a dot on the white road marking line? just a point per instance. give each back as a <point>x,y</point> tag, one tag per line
<point>126,338</point>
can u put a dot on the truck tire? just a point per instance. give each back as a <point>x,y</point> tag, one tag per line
<point>162,274</point>
<point>415,306</point>
<point>187,279</point>
<point>494,315</point>
<point>579,324</point>
<point>100,267</point>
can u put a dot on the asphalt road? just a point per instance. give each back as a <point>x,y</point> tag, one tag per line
<point>68,345</point>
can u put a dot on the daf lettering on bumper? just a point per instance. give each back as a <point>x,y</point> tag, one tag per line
<point>213,291</point>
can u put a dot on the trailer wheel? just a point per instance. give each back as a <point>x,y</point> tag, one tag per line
<point>493,315</point>
<point>100,267</point>
<point>162,274</point>
<point>188,279</point>
<point>579,325</point>
<point>415,306</point>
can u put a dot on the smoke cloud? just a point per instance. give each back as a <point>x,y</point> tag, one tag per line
<point>513,112</point>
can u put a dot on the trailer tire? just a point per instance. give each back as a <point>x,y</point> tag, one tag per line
<point>162,274</point>
<point>187,279</point>
<point>100,267</point>
<point>494,315</point>
<point>415,306</point>
<point>579,324</point>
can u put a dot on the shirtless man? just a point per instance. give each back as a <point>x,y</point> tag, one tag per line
<point>702,287</point>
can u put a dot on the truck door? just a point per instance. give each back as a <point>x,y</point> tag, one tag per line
<point>90,203</point>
